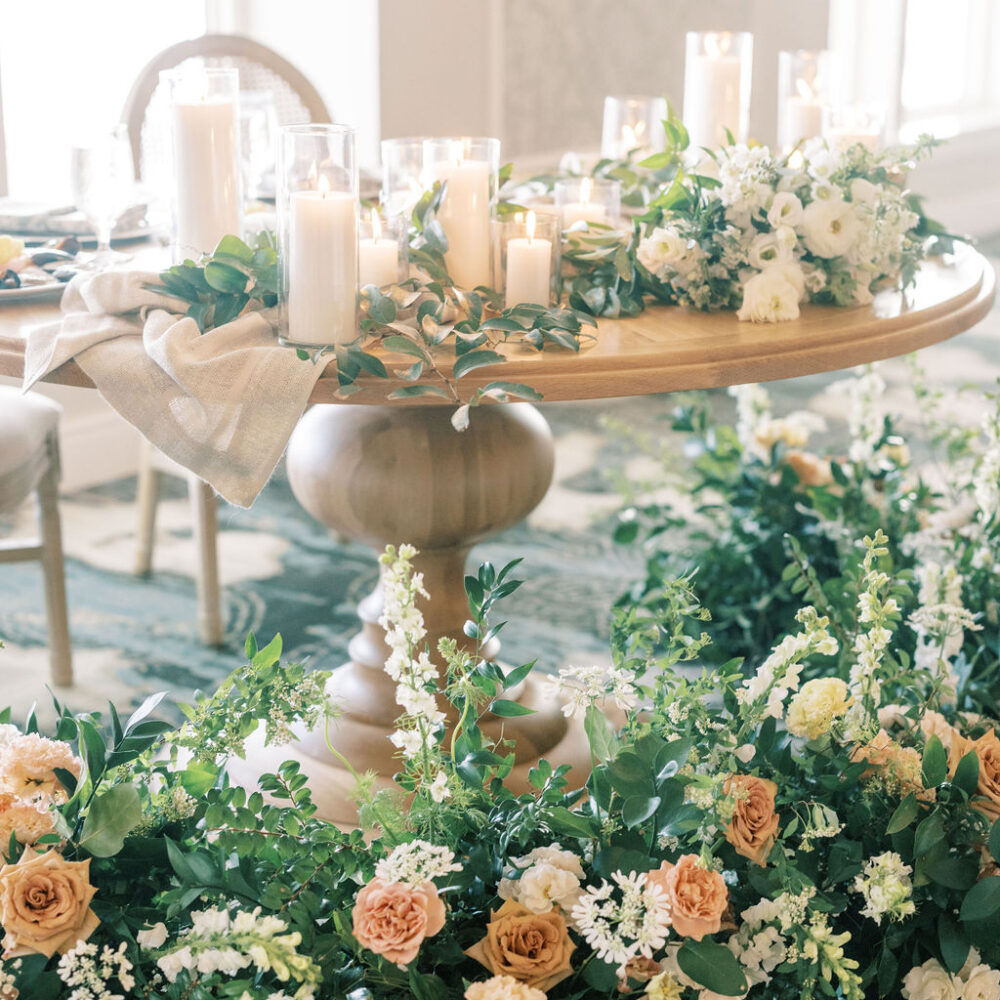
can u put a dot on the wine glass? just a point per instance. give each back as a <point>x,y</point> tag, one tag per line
<point>103,181</point>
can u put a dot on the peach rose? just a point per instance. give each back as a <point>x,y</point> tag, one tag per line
<point>898,766</point>
<point>987,749</point>
<point>698,896</point>
<point>811,469</point>
<point>45,904</point>
<point>754,825</point>
<point>533,948</point>
<point>392,919</point>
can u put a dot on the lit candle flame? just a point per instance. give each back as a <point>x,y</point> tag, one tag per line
<point>585,185</point>
<point>376,226</point>
<point>313,174</point>
<point>530,226</point>
<point>805,91</point>
<point>323,186</point>
<point>717,43</point>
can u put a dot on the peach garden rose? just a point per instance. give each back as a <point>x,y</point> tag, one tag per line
<point>754,825</point>
<point>987,749</point>
<point>698,896</point>
<point>533,948</point>
<point>392,918</point>
<point>45,904</point>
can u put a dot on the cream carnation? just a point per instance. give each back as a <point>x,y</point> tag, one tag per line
<point>542,885</point>
<point>829,227</point>
<point>502,988</point>
<point>771,296</point>
<point>815,707</point>
<point>27,819</point>
<point>28,765</point>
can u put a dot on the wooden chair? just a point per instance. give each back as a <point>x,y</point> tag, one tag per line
<point>29,463</point>
<point>295,100</point>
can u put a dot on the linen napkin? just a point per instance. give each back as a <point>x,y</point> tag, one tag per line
<point>222,404</point>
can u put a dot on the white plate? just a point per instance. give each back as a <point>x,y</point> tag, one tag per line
<point>87,241</point>
<point>40,291</point>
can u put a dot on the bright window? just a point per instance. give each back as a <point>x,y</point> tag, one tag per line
<point>66,70</point>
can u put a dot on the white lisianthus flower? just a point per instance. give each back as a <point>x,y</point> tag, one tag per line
<point>665,249</point>
<point>982,983</point>
<point>863,192</point>
<point>771,296</point>
<point>154,937</point>
<point>769,248</point>
<point>785,210</point>
<point>828,227</point>
<point>931,981</point>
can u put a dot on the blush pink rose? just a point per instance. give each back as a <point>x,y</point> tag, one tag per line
<point>392,919</point>
<point>698,896</point>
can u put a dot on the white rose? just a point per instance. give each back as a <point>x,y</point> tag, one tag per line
<point>152,938</point>
<point>982,983</point>
<point>863,192</point>
<point>931,981</point>
<point>552,855</point>
<point>973,959</point>
<point>828,227</point>
<point>769,297</point>
<point>786,210</point>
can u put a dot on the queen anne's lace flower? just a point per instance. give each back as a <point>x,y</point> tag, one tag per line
<point>417,862</point>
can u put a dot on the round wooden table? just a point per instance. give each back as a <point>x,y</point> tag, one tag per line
<point>391,471</point>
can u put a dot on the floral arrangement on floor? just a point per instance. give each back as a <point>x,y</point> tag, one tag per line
<point>758,836</point>
<point>771,513</point>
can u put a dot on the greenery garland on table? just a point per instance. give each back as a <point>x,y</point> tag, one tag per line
<point>759,836</point>
<point>742,229</point>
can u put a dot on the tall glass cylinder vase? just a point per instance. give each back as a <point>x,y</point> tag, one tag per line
<point>317,202</point>
<point>803,90</point>
<point>205,132</point>
<point>633,123</point>
<point>717,73</point>
<point>470,168</point>
<point>403,177</point>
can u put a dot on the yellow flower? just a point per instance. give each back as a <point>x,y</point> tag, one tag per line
<point>816,705</point>
<point>9,249</point>
<point>664,987</point>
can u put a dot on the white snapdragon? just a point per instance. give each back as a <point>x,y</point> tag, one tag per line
<point>417,862</point>
<point>887,888</point>
<point>865,414</point>
<point>623,919</point>
<point>152,937</point>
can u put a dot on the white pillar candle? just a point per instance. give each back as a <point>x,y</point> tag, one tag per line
<point>712,99</point>
<point>206,162</point>
<point>586,210</point>
<point>323,268</point>
<point>378,257</point>
<point>529,268</point>
<point>803,119</point>
<point>843,138</point>
<point>465,218</point>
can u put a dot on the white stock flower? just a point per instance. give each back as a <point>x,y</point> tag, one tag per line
<point>931,981</point>
<point>771,296</point>
<point>887,888</point>
<point>152,937</point>
<point>785,210</point>
<point>828,227</point>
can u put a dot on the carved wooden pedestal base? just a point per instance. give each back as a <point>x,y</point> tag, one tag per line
<point>391,474</point>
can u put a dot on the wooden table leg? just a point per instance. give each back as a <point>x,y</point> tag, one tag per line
<point>387,474</point>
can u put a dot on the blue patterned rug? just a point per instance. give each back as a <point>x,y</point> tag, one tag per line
<point>283,573</point>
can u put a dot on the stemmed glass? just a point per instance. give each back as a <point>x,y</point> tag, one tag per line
<point>103,180</point>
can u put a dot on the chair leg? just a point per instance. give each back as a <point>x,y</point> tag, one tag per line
<point>60,651</point>
<point>203,505</point>
<point>147,497</point>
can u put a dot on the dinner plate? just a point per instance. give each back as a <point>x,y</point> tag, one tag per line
<point>39,291</point>
<point>89,241</point>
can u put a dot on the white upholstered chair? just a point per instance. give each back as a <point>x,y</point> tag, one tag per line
<point>29,463</point>
<point>295,100</point>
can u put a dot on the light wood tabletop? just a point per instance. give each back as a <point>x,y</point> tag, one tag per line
<point>669,348</point>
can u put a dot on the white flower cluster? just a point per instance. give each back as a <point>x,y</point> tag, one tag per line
<point>784,233</point>
<point>543,877</point>
<point>865,413</point>
<point>89,972</point>
<point>226,942</point>
<point>417,862</point>
<point>887,888</point>
<point>780,673</point>
<point>932,981</point>
<point>581,687</point>
<point>986,483</point>
<point>620,929</point>
<point>940,623</point>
